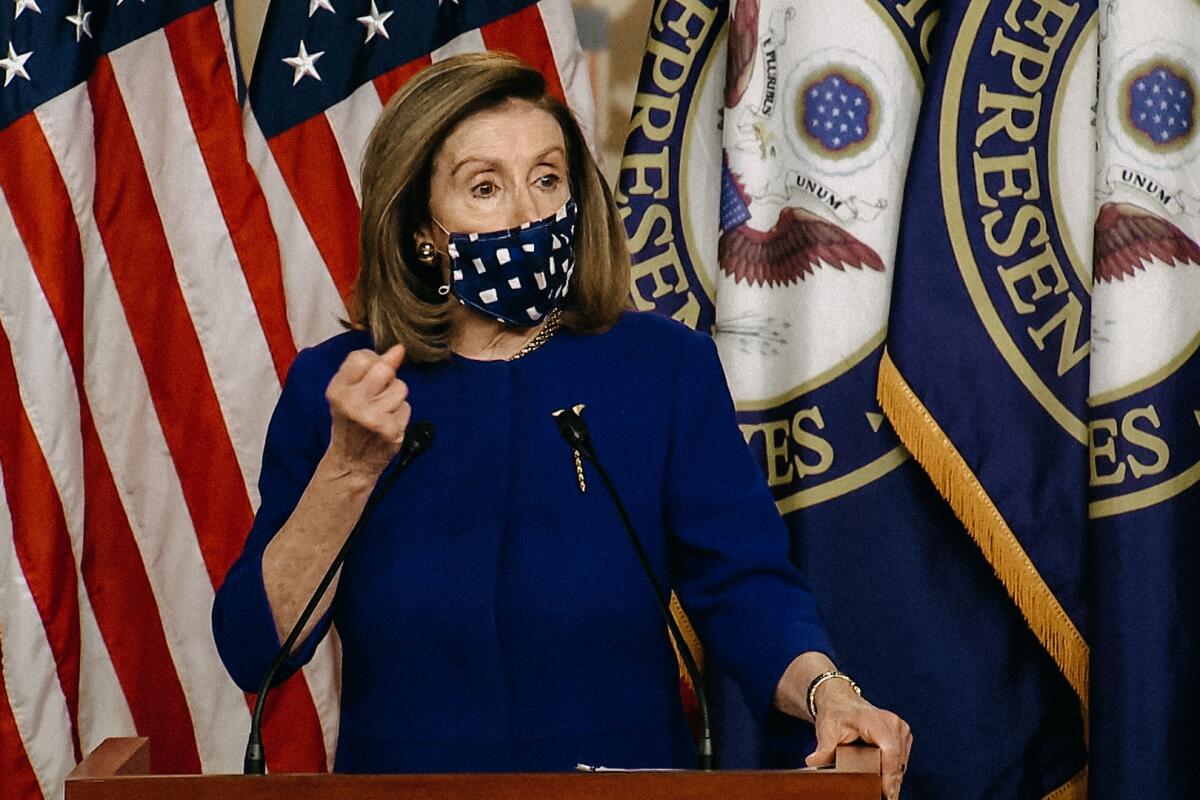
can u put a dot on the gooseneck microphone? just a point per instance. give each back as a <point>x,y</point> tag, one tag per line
<point>575,432</point>
<point>417,438</point>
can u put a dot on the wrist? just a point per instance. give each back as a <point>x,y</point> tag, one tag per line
<point>831,688</point>
<point>352,475</point>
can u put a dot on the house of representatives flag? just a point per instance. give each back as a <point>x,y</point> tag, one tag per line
<point>761,189</point>
<point>1144,423</point>
<point>162,257</point>
<point>986,372</point>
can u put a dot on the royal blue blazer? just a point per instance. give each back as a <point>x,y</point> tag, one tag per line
<point>492,616</point>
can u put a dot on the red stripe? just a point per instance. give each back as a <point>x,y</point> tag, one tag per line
<point>524,35</point>
<point>40,536</point>
<point>291,726</point>
<point>44,218</point>
<point>127,614</point>
<point>19,781</point>
<point>180,386</point>
<point>389,83</point>
<point>198,52</point>
<point>315,174</point>
<point>113,571</point>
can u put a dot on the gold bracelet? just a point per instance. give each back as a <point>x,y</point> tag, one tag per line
<point>817,681</point>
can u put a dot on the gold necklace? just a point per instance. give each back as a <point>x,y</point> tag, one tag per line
<point>549,328</point>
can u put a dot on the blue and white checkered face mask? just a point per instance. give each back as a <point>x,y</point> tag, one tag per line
<point>519,275</point>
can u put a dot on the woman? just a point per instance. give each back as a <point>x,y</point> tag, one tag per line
<point>493,615</point>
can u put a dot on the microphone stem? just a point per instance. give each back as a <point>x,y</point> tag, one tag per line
<point>255,761</point>
<point>706,757</point>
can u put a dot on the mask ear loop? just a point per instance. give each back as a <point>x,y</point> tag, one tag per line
<point>444,289</point>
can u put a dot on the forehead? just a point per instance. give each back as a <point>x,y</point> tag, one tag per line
<point>512,132</point>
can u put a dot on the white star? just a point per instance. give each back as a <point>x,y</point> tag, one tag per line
<point>24,4</point>
<point>80,20</point>
<point>375,22</point>
<point>313,5</point>
<point>14,65</point>
<point>304,63</point>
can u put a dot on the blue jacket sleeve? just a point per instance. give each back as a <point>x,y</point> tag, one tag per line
<point>750,605</point>
<point>297,436</point>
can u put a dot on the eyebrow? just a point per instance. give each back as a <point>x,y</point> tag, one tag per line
<point>553,149</point>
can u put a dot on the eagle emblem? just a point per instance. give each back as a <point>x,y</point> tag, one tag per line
<point>796,245</point>
<point>1128,238</point>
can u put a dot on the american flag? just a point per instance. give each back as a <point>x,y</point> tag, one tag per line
<point>163,255</point>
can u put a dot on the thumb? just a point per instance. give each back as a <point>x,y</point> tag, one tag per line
<point>394,357</point>
<point>822,756</point>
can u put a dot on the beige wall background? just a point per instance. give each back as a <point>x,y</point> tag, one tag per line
<point>614,68</point>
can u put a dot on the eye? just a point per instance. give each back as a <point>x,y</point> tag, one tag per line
<point>484,189</point>
<point>549,181</point>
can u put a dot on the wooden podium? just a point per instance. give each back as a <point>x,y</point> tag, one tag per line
<point>119,770</point>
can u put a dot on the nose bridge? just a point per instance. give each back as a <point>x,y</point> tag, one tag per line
<point>524,205</point>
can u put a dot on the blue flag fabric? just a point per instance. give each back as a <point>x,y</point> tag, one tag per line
<point>761,189</point>
<point>1144,426</point>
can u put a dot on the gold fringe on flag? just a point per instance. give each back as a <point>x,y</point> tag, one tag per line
<point>689,636</point>
<point>1074,789</point>
<point>934,451</point>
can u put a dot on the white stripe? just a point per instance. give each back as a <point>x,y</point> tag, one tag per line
<point>34,693</point>
<point>559,21</point>
<point>227,39</point>
<point>324,676</point>
<point>469,42</point>
<point>313,303</point>
<point>352,121</point>
<point>51,400</point>
<point>141,464</point>
<point>206,263</point>
<point>103,709</point>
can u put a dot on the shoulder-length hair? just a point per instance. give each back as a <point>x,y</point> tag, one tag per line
<point>395,296</point>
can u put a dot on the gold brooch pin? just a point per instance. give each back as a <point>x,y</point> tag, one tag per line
<point>578,409</point>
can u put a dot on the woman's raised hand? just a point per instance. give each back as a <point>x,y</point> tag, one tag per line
<point>370,411</point>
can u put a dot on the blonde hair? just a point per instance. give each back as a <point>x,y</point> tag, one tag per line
<point>395,297</point>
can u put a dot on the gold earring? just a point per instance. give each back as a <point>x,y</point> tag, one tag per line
<point>426,253</point>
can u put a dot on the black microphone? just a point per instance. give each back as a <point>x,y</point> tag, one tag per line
<point>417,438</point>
<point>573,429</point>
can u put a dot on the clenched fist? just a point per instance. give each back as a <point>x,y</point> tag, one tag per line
<point>370,410</point>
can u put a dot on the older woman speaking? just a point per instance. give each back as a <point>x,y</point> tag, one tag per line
<point>493,615</point>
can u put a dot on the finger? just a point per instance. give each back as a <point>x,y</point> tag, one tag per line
<point>828,738</point>
<point>355,365</point>
<point>376,380</point>
<point>892,755</point>
<point>392,396</point>
<point>394,356</point>
<point>400,419</point>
